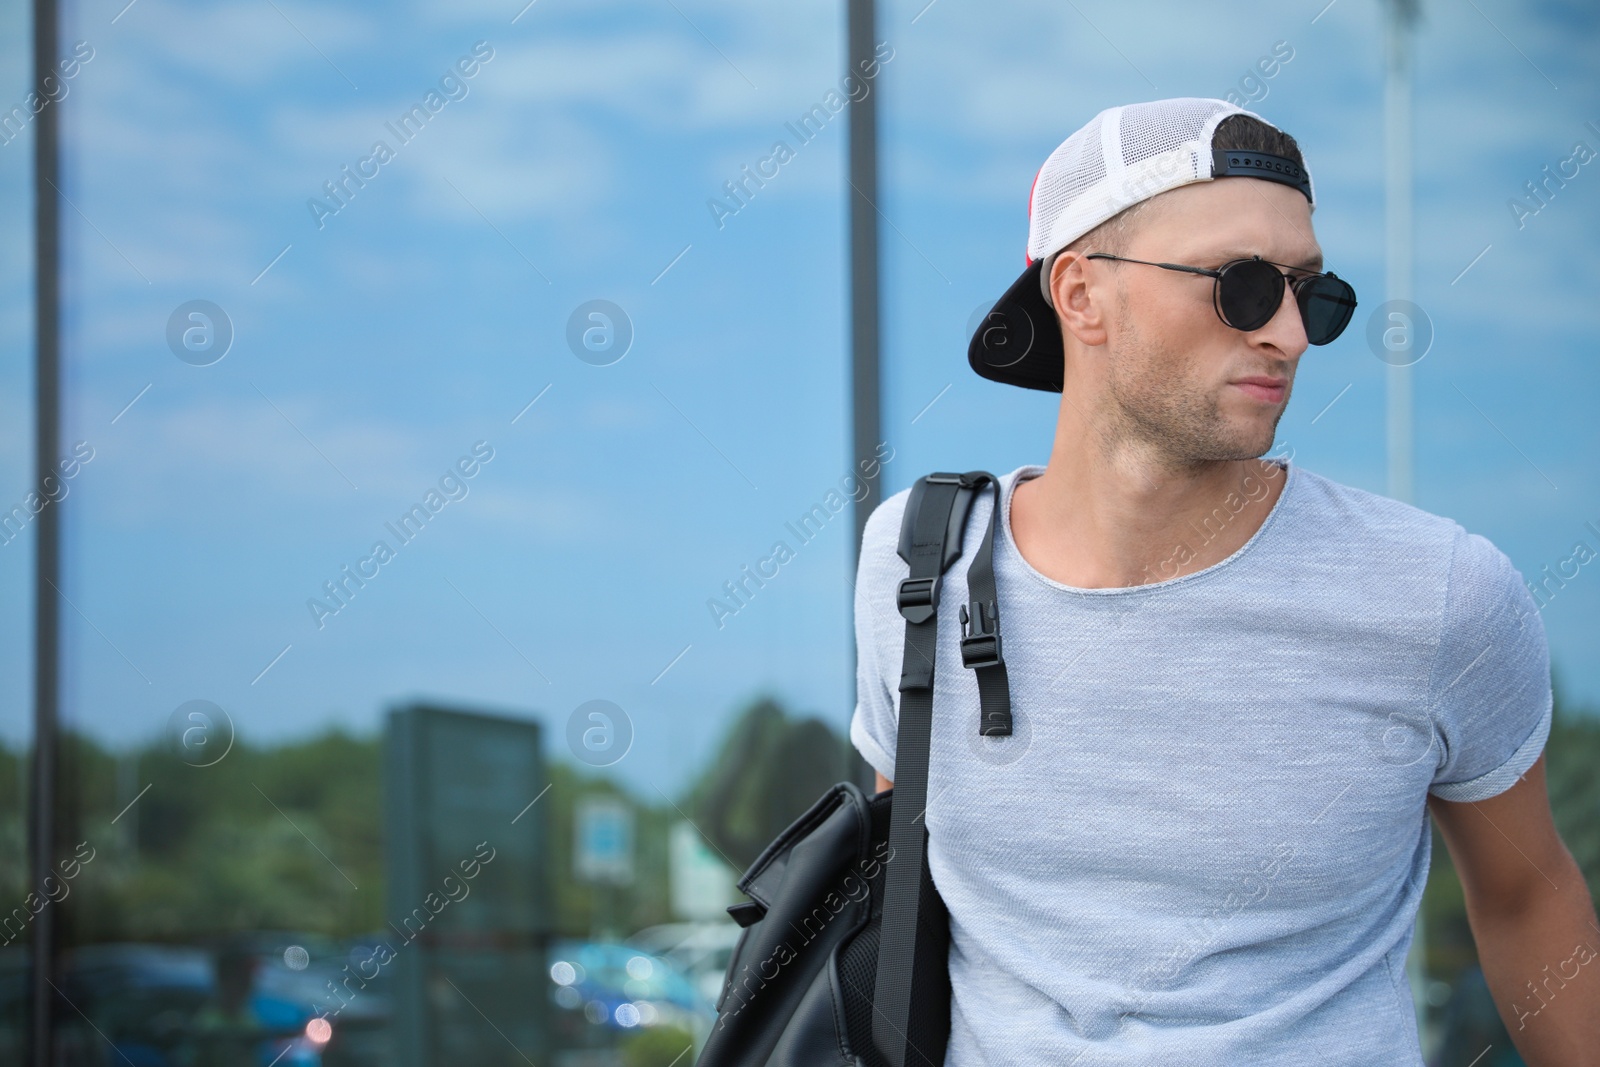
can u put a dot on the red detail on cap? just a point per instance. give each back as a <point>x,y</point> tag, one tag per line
<point>1027,259</point>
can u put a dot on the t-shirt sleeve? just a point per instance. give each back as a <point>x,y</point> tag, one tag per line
<point>1490,694</point>
<point>874,728</point>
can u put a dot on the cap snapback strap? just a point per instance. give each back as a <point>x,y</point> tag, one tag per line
<point>1241,163</point>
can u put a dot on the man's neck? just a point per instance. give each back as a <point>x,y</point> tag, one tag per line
<point>1092,522</point>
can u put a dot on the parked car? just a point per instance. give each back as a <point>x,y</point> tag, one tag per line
<point>158,1006</point>
<point>604,989</point>
<point>701,950</point>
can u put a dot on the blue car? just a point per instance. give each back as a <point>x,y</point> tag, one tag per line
<point>605,988</point>
<point>158,1006</point>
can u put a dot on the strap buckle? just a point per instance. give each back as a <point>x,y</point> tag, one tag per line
<point>980,637</point>
<point>918,598</point>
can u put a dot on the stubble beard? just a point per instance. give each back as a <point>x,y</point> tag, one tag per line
<point>1158,408</point>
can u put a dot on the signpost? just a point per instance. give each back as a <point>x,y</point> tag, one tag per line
<point>468,899</point>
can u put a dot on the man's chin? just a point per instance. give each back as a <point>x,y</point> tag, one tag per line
<point>1248,446</point>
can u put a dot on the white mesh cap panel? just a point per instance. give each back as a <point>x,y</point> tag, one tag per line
<point>1074,170</point>
<point>1121,156</point>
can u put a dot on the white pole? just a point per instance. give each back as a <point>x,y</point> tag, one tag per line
<point>1402,17</point>
<point>1397,157</point>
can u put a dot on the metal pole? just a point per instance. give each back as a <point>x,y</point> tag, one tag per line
<point>866,416</point>
<point>47,531</point>
<point>863,172</point>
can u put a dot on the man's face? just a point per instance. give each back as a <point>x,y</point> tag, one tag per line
<point>1174,368</point>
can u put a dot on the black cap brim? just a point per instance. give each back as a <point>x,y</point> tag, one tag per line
<point>1019,340</point>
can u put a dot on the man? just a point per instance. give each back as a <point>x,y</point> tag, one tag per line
<point>1237,687</point>
<point>228,1031</point>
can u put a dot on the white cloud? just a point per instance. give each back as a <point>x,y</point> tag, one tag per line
<point>239,45</point>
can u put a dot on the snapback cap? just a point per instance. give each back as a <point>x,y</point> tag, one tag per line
<point>1121,156</point>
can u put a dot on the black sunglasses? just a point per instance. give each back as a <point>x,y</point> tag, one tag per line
<point>1248,292</point>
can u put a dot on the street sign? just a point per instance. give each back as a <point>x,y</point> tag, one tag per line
<point>604,852</point>
<point>702,882</point>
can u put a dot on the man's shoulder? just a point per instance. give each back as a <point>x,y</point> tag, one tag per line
<point>1404,545</point>
<point>879,567</point>
<point>1360,517</point>
<point>883,524</point>
<point>880,539</point>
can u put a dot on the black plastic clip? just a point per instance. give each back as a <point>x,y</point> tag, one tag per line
<point>965,480</point>
<point>918,598</point>
<point>980,637</point>
<point>747,912</point>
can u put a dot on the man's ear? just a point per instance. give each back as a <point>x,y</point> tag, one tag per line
<point>1080,305</point>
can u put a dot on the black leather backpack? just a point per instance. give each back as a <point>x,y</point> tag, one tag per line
<point>843,961</point>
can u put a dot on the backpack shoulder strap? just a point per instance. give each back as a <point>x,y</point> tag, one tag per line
<point>980,633</point>
<point>919,592</point>
<point>930,540</point>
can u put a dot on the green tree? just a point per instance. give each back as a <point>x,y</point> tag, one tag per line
<point>1572,757</point>
<point>767,772</point>
<point>660,1046</point>
<point>284,837</point>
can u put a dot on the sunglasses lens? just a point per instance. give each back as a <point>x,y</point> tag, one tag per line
<point>1326,304</point>
<point>1248,293</point>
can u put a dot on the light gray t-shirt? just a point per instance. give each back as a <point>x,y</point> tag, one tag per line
<point>1207,837</point>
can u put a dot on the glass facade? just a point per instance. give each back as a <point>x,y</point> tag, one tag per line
<point>454,488</point>
<point>416,407</point>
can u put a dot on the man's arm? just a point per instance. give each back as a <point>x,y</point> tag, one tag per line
<point>1537,933</point>
<point>883,783</point>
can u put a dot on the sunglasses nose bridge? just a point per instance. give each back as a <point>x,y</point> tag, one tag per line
<point>1289,294</point>
<point>1292,295</point>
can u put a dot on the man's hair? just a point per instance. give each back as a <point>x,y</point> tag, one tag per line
<point>1240,132</point>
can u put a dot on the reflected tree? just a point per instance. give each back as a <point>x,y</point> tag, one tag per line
<point>769,769</point>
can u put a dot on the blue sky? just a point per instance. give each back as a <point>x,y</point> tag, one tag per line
<point>371,353</point>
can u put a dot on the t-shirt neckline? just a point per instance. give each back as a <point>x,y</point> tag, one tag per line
<point>1033,470</point>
